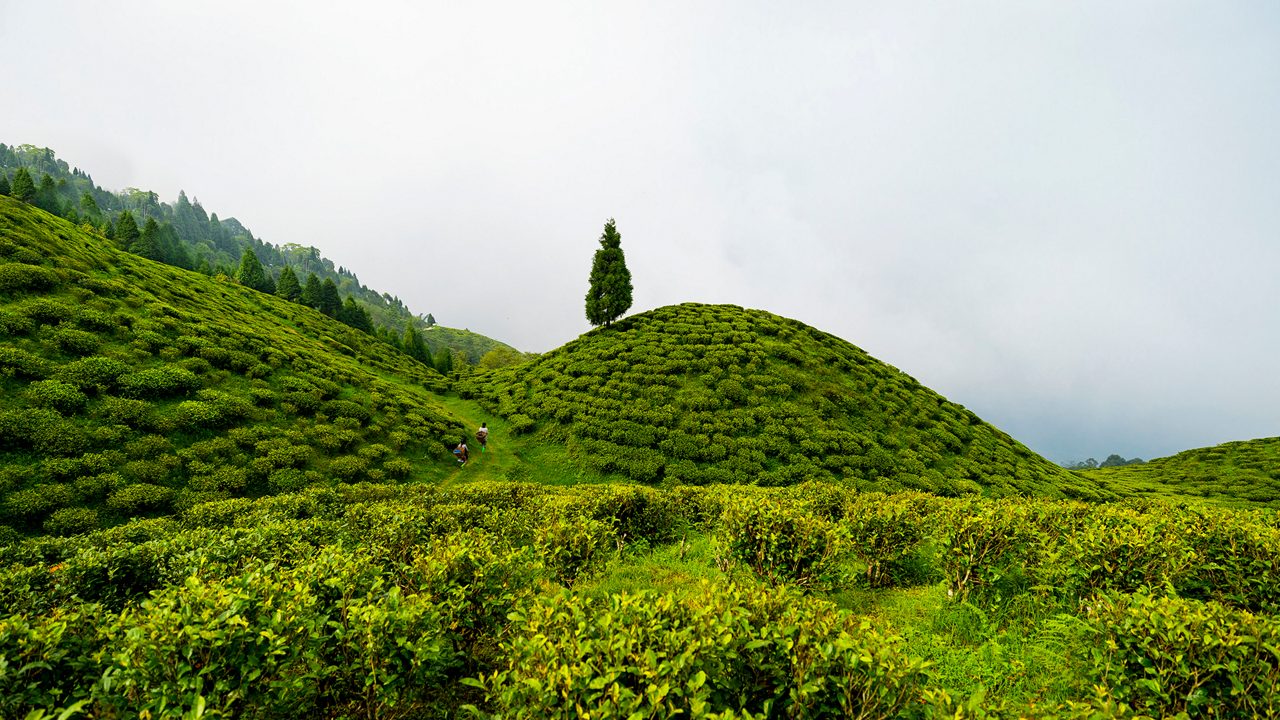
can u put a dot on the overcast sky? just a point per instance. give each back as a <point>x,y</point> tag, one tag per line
<point>1063,215</point>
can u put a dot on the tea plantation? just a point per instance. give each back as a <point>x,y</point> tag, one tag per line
<point>214,503</point>
<point>132,388</point>
<point>717,394</point>
<point>1236,473</point>
<point>521,600</point>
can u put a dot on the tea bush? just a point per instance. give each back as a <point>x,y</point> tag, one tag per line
<point>1168,656</point>
<point>16,362</point>
<point>780,542</point>
<point>733,652</point>
<point>55,395</point>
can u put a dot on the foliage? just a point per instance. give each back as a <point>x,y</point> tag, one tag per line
<point>609,295</point>
<point>704,394</point>
<point>1234,473</point>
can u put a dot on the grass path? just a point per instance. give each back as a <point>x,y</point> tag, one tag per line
<point>510,456</point>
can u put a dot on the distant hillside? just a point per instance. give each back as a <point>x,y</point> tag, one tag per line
<point>714,393</point>
<point>132,388</point>
<point>1242,472</point>
<point>191,238</point>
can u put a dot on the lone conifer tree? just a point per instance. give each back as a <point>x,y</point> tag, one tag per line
<point>610,293</point>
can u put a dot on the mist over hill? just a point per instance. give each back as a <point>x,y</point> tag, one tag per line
<point>718,394</point>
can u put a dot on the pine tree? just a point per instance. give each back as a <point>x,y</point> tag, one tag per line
<point>47,195</point>
<point>23,188</point>
<point>610,293</point>
<point>412,344</point>
<point>288,287</point>
<point>148,243</point>
<point>4,184</point>
<point>250,273</point>
<point>355,315</point>
<point>311,292</point>
<point>330,300</point>
<point>431,320</point>
<point>126,231</point>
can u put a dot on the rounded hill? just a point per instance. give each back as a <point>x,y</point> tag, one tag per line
<point>719,394</point>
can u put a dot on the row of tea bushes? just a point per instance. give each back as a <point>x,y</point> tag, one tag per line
<point>413,600</point>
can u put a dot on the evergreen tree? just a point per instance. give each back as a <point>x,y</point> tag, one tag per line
<point>431,320</point>
<point>444,361</point>
<point>412,344</point>
<point>148,243</point>
<point>250,273</point>
<point>23,187</point>
<point>4,184</point>
<point>288,287</point>
<point>268,283</point>
<point>88,206</point>
<point>610,293</point>
<point>311,292</point>
<point>126,231</point>
<point>47,196</point>
<point>355,315</point>
<point>330,300</point>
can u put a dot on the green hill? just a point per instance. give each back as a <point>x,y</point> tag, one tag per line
<point>718,394</point>
<point>132,388</point>
<point>1235,473</point>
<point>189,237</point>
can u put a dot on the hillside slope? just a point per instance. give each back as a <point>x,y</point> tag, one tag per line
<point>715,393</point>
<point>193,239</point>
<point>131,388</point>
<point>1244,472</point>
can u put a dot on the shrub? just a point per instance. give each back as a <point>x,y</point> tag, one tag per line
<point>397,468</point>
<point>346,409</point>
<point>20,277</point>
<point>15,324</point>
<point>1169,656</point>
<point>164,381</point>
<point>140,498</point>
<point>15,362</point>
<point>520,423</point>
<point>729,652</point>
<point>137,414</point>
<point>72,341</point>
<point>40,500</point>
<point>780,542</point>
<point>349,468</point>
<point>71,521</point>
<point>92,374</point>
<point>46,311</point>
<point>571,546</point>
<point>56,395</point>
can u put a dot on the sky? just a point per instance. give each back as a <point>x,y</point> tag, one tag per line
<point>1063,215</point>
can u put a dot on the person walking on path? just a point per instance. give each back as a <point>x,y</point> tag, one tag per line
<point>482,435</point>
<point>461,452</point>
